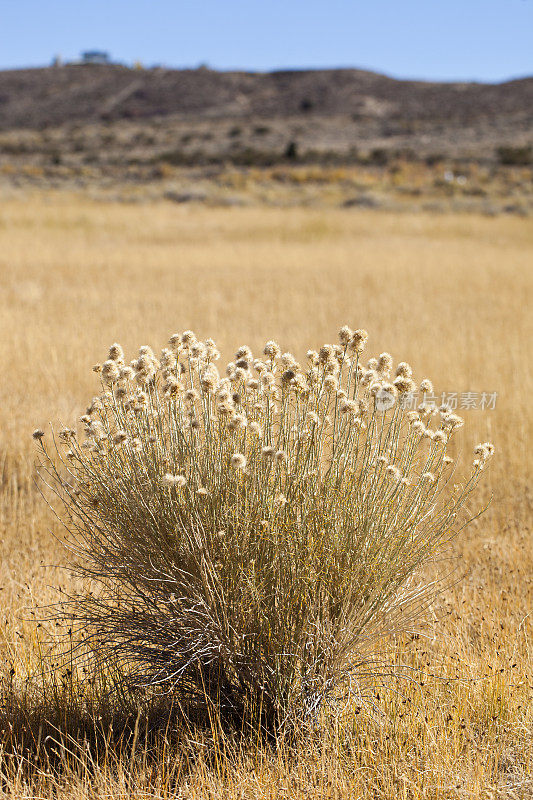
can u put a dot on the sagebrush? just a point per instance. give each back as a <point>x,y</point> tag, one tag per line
<point>246,540</point>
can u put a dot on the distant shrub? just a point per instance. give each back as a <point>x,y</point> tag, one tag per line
<point>306,105</point>
<point>245,540</point>
<point>291,151</point>
<point>434,159</point>
<point>379,157</point>
<point>253,157</point>
<point>515,156</point>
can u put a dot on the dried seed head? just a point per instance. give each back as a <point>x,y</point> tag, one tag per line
<point>272,350</point>
<point>268,379</point>
<point>198,350</point>
<point>211,350</point>
<point>358,340</point>
<point>116,353</point>
<point>393,473</point>
<point>428,476</point>
<point>38,434</point>
<point>385,364</point>
<point>287,376</point>
<point>110,372</point>
<point>313,376</point>
<point>209,379</point>
<point>484,451</point>
<point>96,429</point>
<point>452,421</point>
<point>349,407</point>
<point>326,354</point>
<point>170,480</point>
<point>171,387</point>
<point>345,335</point>
<point>403,370</point>
<point>259,366</point>
<point>188,338</point>
<point>256,429</point>
<point>280,457</point>
<point>244,353</point>
<point>237,423</point>
<point>95,405</point>
<point>312,357</point>
<point>120,438</point>
<point>191,396</point>
<point>175,342</point>
<point>331,384</point>
<point>426,387</point>
<point>238,461</point>
<point>145,351</point>
<point>363,406</point>
<point>289,362</point>
<point>267,452</point>
<point>404,385</point>
<point>331,367</point>
<point>225,408</point>
<point>167,359</point>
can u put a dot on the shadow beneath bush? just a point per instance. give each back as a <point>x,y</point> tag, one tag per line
<point>81,728</point>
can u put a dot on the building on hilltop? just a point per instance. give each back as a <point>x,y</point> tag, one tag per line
<point>95,57</point>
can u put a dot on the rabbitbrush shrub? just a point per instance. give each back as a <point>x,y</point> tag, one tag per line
<point>246,539</point>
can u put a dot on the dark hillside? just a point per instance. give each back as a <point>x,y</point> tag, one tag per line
<point>36,98</point>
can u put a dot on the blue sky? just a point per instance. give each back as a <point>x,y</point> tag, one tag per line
<point>435,39</point>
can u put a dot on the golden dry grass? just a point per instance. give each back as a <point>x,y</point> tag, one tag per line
<point>448,294</point>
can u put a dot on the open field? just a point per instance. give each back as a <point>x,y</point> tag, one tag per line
<point>447,293</point>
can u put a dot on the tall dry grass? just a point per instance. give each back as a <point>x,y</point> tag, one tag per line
<point>448,294</point>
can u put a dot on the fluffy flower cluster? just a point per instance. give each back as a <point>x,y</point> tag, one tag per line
<point>268,413</point>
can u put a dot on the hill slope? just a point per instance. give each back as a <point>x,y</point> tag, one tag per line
<point>35,98</point>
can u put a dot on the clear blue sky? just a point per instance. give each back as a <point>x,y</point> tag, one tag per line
<point>436,39</point>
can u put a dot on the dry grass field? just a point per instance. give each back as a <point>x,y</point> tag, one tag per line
<point>447,293</point>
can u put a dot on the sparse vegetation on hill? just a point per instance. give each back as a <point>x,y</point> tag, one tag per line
<point>141,134</point>
<point>53,96</point>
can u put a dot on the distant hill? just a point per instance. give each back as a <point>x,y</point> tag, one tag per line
<point>38,98</point>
